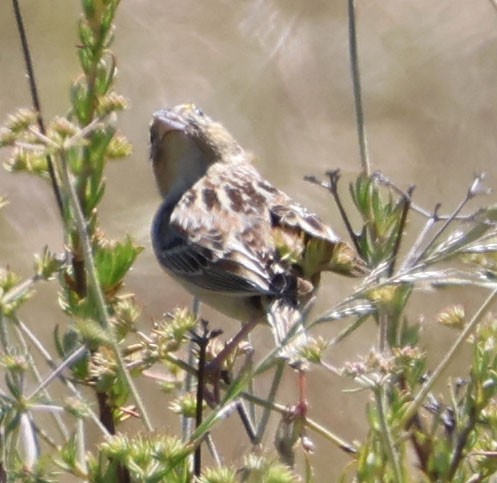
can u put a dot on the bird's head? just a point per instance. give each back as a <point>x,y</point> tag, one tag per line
<point>184,142</point>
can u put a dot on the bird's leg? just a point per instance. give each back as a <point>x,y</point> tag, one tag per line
<point>292,426</point>
<point>302,405</point>
<point>213,369</point>
<point>202,372</point>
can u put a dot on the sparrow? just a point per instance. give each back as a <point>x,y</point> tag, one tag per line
<point>230,237</point>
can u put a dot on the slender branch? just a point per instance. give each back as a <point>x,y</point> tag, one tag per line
<point>81,456</point>
<point>261,427</point>
<point>309,423</point>
<point>202,342</point>
<point>97,291</point>
<point>59,423</point>
<point>472,191</point>
<point>387,435</point>
<point>51,363</point>
<point>246,421</point>
<point>383,331</point>
<point>418,400</point>
<point>356,81</point>
<point>334,177</point>
<point>405,211</point>
<point>67,362</point>
<point>186,423</point>
<point>462,439</point>
<point>213,450</point>
<point>36,100</point>
<point>409,261</point>
<point>382,179</point>
<point>197,467</point>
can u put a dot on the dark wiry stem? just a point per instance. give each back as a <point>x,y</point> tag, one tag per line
<point>332,187</point>
<point>405,210</point>
<point>36,100</point>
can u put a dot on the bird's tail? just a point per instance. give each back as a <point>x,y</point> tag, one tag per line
<point>287,324</point>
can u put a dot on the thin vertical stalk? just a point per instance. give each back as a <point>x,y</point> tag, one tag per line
<point>386,434</point>
<point>261,427</point>
<point>356,82</point>
<point>418,400</point>
<point>36,100</point>
<point>202,343</point>
<point>383,331</point>
<point>186,422</point>
<point>96,290</point>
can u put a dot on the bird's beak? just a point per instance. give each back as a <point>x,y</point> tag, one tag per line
<point>165,121</point>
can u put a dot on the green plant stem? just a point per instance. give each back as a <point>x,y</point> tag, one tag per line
<point>4,337</point>
<point>81,456</point>
<point>386,434</point>
<point>409,260</point>
<point>418,400</point>
<point>68,361</point>
<point>469,195</point>
<point>94,286</point>
<point>20,289</point>
<point>309,423</point>
<point>51,363</point>
<point>12,295</point>
<point>261,427</point>
<point>59,423</point>
<point>186,422</point>
<point>171,358</point>
<point>383,320</point>
<point>356,81</point>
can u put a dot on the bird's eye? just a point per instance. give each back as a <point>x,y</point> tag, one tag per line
<point>199,112</point>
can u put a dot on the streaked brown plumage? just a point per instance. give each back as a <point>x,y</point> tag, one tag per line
<point>230,237</point>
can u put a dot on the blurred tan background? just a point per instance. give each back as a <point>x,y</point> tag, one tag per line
<point>276,73</point>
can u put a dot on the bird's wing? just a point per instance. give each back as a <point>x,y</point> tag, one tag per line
<point>320,248</point>
<point>286,212</point>
<point>218,235</point>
